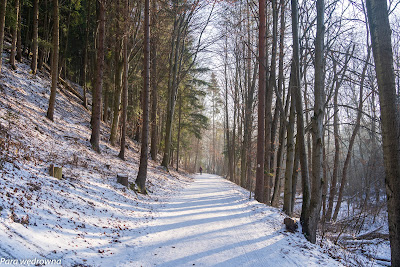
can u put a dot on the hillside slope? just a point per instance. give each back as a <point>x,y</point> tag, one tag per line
<point>84,216</point>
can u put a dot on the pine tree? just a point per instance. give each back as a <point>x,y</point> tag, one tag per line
<point>35,36</point>
<point>2,24</point>
<point>54,62</point>
<point>125,81</point>
<point>98,87</point>
<point>14,35</point>
<point>142,174</point>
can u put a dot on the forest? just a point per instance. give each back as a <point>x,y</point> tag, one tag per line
<point>295,101</point>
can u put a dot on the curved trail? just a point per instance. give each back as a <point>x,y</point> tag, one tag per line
<point>213,223</point>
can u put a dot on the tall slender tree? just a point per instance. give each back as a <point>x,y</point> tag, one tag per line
<point>19,38</point>
<point>86,53</point>
<point>317,128</point>
<point>117,77</point>
<point>154,92</point>
<point>142,174</point>
<point>290,154</point>
<point>14,35</point>
<point>98,87</point>
<point>301,152</point>
<point>268,105</point>
<point>2,24</point>
<point>278,113</point>
<point>35,36</point>
<point>259,190</point>
<point>378,20</point>
<point>54,62</point>
<point>215,102</point>
<point>125,80</point>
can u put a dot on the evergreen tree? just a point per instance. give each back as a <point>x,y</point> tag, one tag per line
<point>54,62</point>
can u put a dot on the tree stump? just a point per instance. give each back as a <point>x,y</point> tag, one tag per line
<point>58,172</point>
<point>55,171</point>
<point>291,225</point>
<point>51,170</point>
<point>122,179</point>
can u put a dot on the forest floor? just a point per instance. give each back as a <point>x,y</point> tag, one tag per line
<point>88,219</point>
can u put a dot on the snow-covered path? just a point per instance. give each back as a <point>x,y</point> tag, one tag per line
<point>212,223</point>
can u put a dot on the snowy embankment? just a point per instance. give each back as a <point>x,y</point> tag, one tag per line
<point>84,217</point>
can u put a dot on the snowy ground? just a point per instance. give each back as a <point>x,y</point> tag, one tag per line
<point>82,218</point>
<point>87,219</point>
<point>213,223</point>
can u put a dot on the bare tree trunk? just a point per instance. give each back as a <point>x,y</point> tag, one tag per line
<point>119,68</point>
<point>352,140</point>
<point>306,109</point>
<point>138,126</point>
<point>35,36</point>
<point>268,105</point>
<point>42,50</point>
<point>259,190</point>
<point>14,35</point>
<point>2,24</point>
<point>179,130</point>
<point>247,126</point>
<point>300,142</point>
<point>281,77</point>
<point>19,40</point>
<point>332,191</point>
<point>317,128</point>
<point>154,93</point>
<point>27,35</point>
<point>105,115</point>
<point>383,57</point>
<point>325,177</point>
<point>290,154</point>
<point>213,130</point>
<point>295,173</point>
<point>86,56</point>
<point>197,153</point>
<point>227,130</point>
<point>374,119</point>
<point>172,157</point>
<point>142,174</point>
<point>243,155</point>
<point>125,80</point>
<point>245,113</point>
<point>235,122</point>
<point>117,100</point>
<point>274,128</point>
<point>280,153</point>
<point>54,62</point>
<point>97,90</point>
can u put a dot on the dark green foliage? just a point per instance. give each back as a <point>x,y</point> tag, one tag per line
<point>77,27</point>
